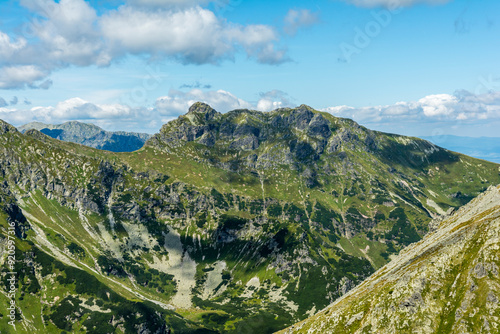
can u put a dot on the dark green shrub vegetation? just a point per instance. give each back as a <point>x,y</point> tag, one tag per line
<point>201,219</point>
<point>218,199</point>
<point>324,216</point>
<point>76,250</point>
<point>274,210</point>
<point>111,266</point>
<point>228,222</point>
<point>402,231</point>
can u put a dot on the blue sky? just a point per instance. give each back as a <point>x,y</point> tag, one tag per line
<point>413,67</point>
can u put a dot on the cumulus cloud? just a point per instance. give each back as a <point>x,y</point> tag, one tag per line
<point>122,117</point>
<point>8,47</point>
<point>296,19</point>
<point>12,77</point>
<point>460,106</point>
<point>66,35</point>
<point>77,108</point>
<point>438,105</point>
<point>193,35</point>
<point>273,100</point>
<point>439,111</point>
<point>72,33</point>
<point>393,3</point>
<point>178,102</point>
<point>111,116</point>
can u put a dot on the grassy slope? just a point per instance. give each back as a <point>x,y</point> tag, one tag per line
<point>281,184</point>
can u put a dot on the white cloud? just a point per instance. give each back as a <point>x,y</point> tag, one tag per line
<point>438,105</point>
<point>77,109</point>
<point>71,32</point>
<point>192,35</point>
<point>273,100</point>
<point>296,19</point>
<point>9,48</point>
<point>461,106</point>
<point>177,102</point>
<point>393,4</point>
<point>67,35</point>
<point>15,116</point>
<point>12,77</point>
<point>122,117</point>
<point>429,114</point>
<point>339,110</point>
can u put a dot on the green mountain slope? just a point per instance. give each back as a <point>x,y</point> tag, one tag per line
<point>446,283</point>
<point>242,222</point>
<point>91,135</point>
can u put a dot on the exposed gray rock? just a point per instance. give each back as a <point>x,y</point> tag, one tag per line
<point>6,127</point>
<point>319,127</point>
<point>206,112</point>
<point>208,139</point>
<point>247,143</point>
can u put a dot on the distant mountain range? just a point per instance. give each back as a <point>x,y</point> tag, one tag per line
<point>242,222</point>
<point>486,148</point>
<point>91,135</point>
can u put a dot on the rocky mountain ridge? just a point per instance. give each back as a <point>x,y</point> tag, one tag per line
<point>232,243</point>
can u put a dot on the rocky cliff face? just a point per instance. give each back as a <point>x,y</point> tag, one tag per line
<point>265,140</point>
<point>91,135</point>
<point>245,221</point>
<point>446,283</point>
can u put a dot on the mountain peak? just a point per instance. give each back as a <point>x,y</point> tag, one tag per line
<point>37,134</point>
<point>6,127</point>
<point>90,135</point>
<point>286,136</point>
<point>199,108</point>
<point>303,107</point>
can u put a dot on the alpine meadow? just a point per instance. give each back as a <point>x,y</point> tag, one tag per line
<point>237,167</point>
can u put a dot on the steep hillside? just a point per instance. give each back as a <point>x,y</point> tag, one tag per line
<point>446,283</point>
<point>91,135</point>
<point>244,221</point>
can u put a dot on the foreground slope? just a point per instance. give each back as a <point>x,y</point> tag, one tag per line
<point>447,283</point>
<point>91,135</point>
<point>241,222</point>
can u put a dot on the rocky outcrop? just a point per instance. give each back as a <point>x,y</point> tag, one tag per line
<point>303,134</point>
<point>6,127</point>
